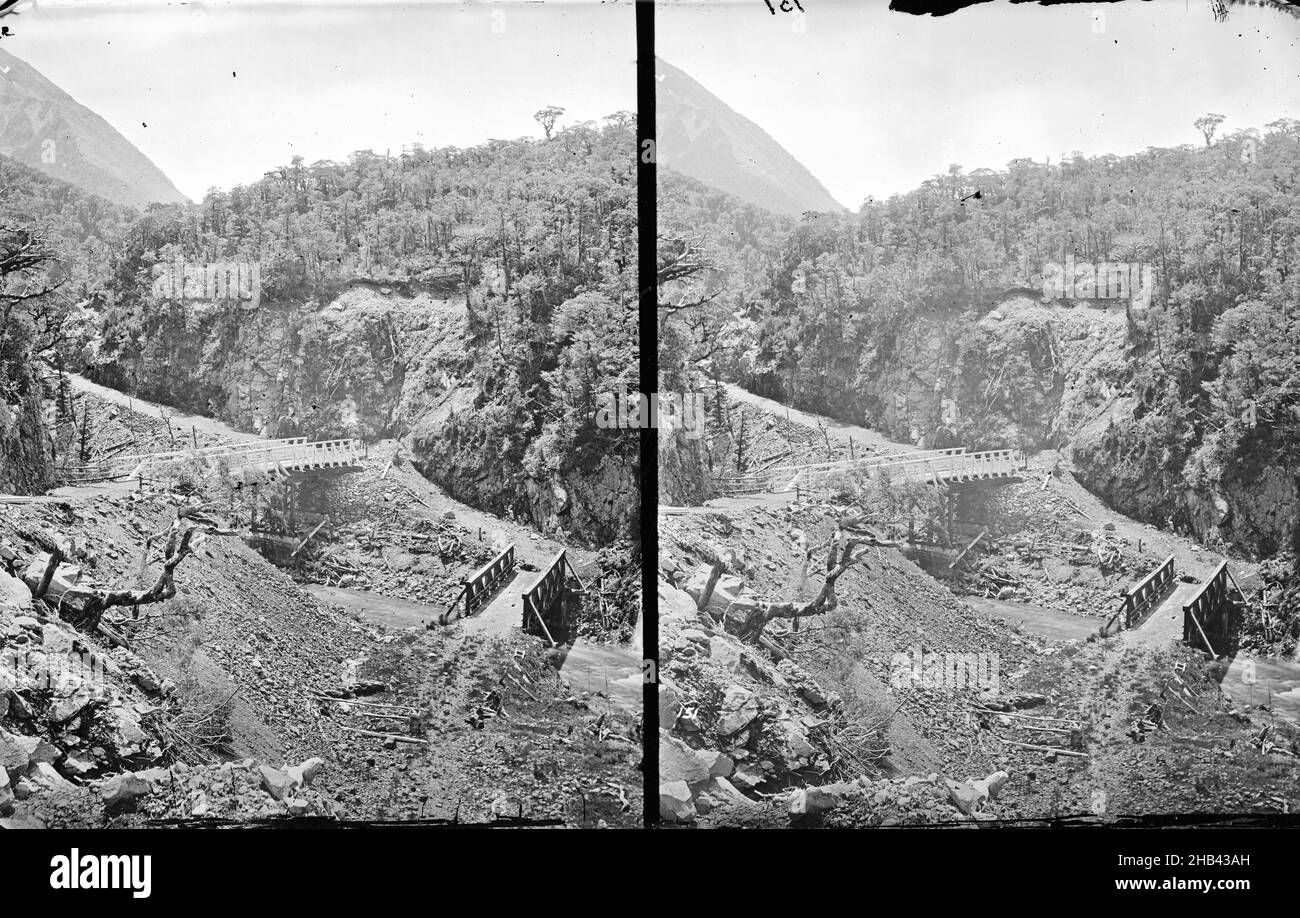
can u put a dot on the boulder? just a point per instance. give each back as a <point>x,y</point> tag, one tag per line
<point>64,709</point>
<point>992,785</point>
<point>18,752</point>
<point>302,775</point>
<point>675,803</point>
<point>810,801</point>
<point>965,796</point>
<point>78,767</point>
<point>123,790</point>
<point>792,737</point>
<point>678,762</point>
<point>723,791</point>
<point>674,603</point>
<point>749,775</point>
<point>43,773</point>
<point>201,806</point>
<point>276,783</point>
<point>21,822</point>
<point>731,585</point>
<point>696,636</point>
<point>739,708</point>
<point>726,652</point>
<point>719,765</point>
<point>669,703</point>
<point>15,597</point>
<point>696,584</point>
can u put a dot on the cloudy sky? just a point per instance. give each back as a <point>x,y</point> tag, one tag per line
<point>229,91</point>
<point>874,102</point>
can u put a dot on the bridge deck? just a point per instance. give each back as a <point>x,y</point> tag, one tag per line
<point>270,459</point>
<point>1165,623</point>
<point>934,466</point>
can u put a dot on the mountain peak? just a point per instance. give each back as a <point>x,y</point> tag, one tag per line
<point>704,138</point>
<point>43,127</point>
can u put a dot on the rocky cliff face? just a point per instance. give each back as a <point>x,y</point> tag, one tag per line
<point>684,477</point>
<point>1034,375</point>
<point>25,466</point>
<point>1025,374</point>
<point>374,363</point>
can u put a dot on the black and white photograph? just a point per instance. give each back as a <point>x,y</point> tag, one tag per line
<point>406,405</point>
<point>980,507</point>
<point>310,312</point>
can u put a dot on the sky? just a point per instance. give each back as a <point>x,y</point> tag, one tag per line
<point>218,93</point>
<point>875,102</point>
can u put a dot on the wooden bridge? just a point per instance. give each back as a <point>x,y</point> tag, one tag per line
<point>1156,604</point>
<point>1210,615</point>
<point>543,602</point>
<point>478,588</point>
<point>935,466</point>
<point>246,462</point>
<point>1148,594</point>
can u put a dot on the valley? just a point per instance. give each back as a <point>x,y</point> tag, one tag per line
<point>817,724</point>
<point>304,514</point>
<point>985,523</point>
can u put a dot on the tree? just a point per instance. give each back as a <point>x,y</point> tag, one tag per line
<point>1207,125</point>
<point>547,117</point>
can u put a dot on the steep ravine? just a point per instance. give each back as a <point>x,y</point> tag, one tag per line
<point>377,362</point>
<point>1036,375</point>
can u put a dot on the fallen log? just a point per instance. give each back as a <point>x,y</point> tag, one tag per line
<point>1058,750</point>
<point>396,737</point>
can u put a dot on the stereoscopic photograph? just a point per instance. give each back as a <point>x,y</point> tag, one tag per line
<point>308,313</point>
<point>980,507</point>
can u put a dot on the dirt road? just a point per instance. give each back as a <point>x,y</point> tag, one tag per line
<point>180,420</point>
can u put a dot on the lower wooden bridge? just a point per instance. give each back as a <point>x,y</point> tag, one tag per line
<point>935,466</point>
<point>246,462</point>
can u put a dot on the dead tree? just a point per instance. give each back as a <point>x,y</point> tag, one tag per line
<point>825,600</point>
<point>85,607</point>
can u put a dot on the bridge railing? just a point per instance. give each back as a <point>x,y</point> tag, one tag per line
<point>1145,595</point>
<point>960,466</point>
<point>541,597</point>
<point>477,588</point>
<point>265,456</point>
<point>785,477</point>
<point>1207,614</point>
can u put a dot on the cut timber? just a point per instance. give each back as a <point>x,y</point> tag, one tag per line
<point>308,538</point>
<point>1208,645</point>
<point>537,615</point>
<point>957,560</point>
<point>707,593</point>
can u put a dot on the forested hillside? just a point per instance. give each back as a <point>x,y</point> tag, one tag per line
<point>479,301</point>
<point>56,243</point>
<point>925,315</point>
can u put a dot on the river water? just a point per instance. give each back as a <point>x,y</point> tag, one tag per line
<point>585,666</point>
